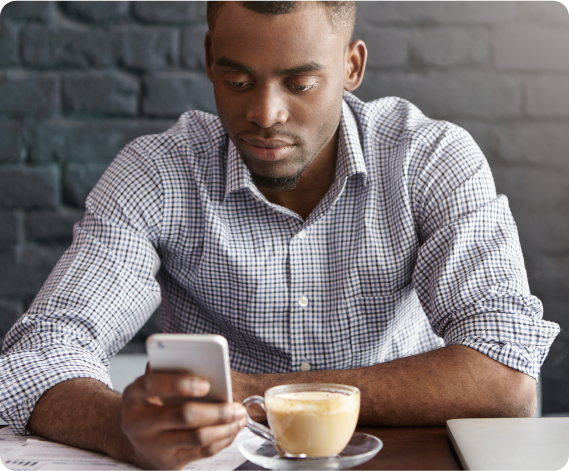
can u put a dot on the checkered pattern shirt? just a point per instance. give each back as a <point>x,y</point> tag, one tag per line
<point>410,250</point>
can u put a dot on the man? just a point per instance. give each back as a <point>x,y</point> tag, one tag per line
<point>329,240</point>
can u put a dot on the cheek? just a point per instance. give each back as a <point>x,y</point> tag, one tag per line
<point>228,109</point>
<point>324,116</point>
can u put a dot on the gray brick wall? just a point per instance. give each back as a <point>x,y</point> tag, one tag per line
<point>78,80</point>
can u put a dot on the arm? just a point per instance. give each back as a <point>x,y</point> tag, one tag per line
<point>470,279</point>
<point>153,425</point>
<point>426,389</point>
<point>55,380</point>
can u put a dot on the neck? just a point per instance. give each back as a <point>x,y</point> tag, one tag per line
<point>312,185</point>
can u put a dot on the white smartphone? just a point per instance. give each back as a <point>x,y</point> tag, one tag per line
<point>206,356</point>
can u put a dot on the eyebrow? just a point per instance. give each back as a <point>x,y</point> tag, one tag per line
<point>225,62</point>
<point>308,67</point>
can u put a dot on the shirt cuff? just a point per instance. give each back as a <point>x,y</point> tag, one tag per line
<point>521,344</point>
<point>27,375</point>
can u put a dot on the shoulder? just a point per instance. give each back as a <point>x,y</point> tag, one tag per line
<point>392,121</point>
<point>196,132</point>
<point>418,142</point>
<point>154,167</point>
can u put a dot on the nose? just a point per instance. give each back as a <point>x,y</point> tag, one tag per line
<point>267,107</point>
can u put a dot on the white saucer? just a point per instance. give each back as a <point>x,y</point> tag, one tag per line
<point>361,448</point>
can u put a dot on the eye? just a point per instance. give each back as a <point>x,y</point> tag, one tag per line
<point>301,88</point>
<point>237,85</point>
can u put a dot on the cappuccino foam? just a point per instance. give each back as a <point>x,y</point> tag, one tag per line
<point>312,402</point>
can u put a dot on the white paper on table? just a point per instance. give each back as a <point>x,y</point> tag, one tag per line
<point>9,441</point>
<point>38,454</point>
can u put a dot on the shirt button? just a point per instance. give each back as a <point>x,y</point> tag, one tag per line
<point>303,301</point>
<point>302,234</point>
<point>305,366</point>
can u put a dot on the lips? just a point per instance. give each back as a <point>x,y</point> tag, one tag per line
<point>267,149</point>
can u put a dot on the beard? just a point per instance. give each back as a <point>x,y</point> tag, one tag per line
<point>284,183</point>
<point>279,184</point>
<point>288,182</point>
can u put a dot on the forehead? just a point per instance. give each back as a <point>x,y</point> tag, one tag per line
<point>303,35</point>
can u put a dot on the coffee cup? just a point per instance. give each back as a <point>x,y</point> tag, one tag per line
<point>308,420</point>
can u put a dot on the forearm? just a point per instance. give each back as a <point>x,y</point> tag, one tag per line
<point>425,389</point>
<point>84,413</point>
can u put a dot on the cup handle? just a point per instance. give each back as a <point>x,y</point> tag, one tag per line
<point>256,427</point>
<point>260,429</point>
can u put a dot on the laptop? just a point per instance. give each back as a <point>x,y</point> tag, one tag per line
<point>520,444</point>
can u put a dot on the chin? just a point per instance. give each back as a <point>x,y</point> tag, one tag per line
<point>276,183</point>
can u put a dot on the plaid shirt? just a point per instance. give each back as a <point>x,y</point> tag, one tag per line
<point>410,250</point>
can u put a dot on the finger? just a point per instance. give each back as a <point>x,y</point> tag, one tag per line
<point>189,415</point>
<point>216,447</point>
<point>201,442</point>
<point>167,386</point>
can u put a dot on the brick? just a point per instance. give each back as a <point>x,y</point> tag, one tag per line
<point>532,189</point>
<point>50,47</point>
<point>387,46</point>
<point>78,181</point>
<point>170,12</point>
<point>170,95</point>
<point>544,12</point>
<point>147,49</point>
<point>9,228</point>
<point>192,50</point>
<point>539,144</point>
<point>448,96</point>
<point>12,149</point>
<point>450,46</point>
<point>10,312</point>
<point>8,44</point>
<point>544,230</point>
<point>96,11</point>
<point>26,95</point>
<point>547,96</point>
<point>92,141</point>
<point>28,187</point>
<point>23,273</point>
<point>100,93</point>
<point>27,11</point>
<point>51,225</point>
<point>532,48</point>
<point>549,273</point>
<point>434,13</point>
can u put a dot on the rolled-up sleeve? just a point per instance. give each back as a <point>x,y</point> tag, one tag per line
<point>470,275</point>
<point>101,292</point>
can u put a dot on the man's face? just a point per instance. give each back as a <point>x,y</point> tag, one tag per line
<point>278,83</point>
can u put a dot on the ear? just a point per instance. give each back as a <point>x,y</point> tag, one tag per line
<point>356,57</point>
<point>208,56</point>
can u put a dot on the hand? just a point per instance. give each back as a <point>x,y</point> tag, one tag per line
<point>166,429</point>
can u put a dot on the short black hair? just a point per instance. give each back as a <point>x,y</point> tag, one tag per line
<point>342,15</point>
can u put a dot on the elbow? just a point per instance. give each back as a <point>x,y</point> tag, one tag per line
<point>517,397</point>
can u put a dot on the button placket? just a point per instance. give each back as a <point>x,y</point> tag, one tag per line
<point>300,303</point>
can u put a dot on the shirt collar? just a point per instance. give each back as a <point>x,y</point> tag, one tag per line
<point>350,156</point>
<point>238,175</point>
